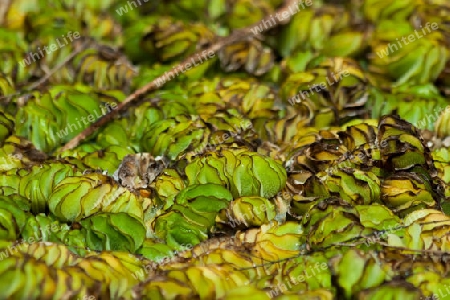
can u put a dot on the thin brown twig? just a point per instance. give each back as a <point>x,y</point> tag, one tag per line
<point>47,76</point>
<point>237,36</point>
<point>58,66</point>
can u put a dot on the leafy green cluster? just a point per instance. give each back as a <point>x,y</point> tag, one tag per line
<point>312,163</point>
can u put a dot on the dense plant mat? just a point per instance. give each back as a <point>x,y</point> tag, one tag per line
<point>308,160</point>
